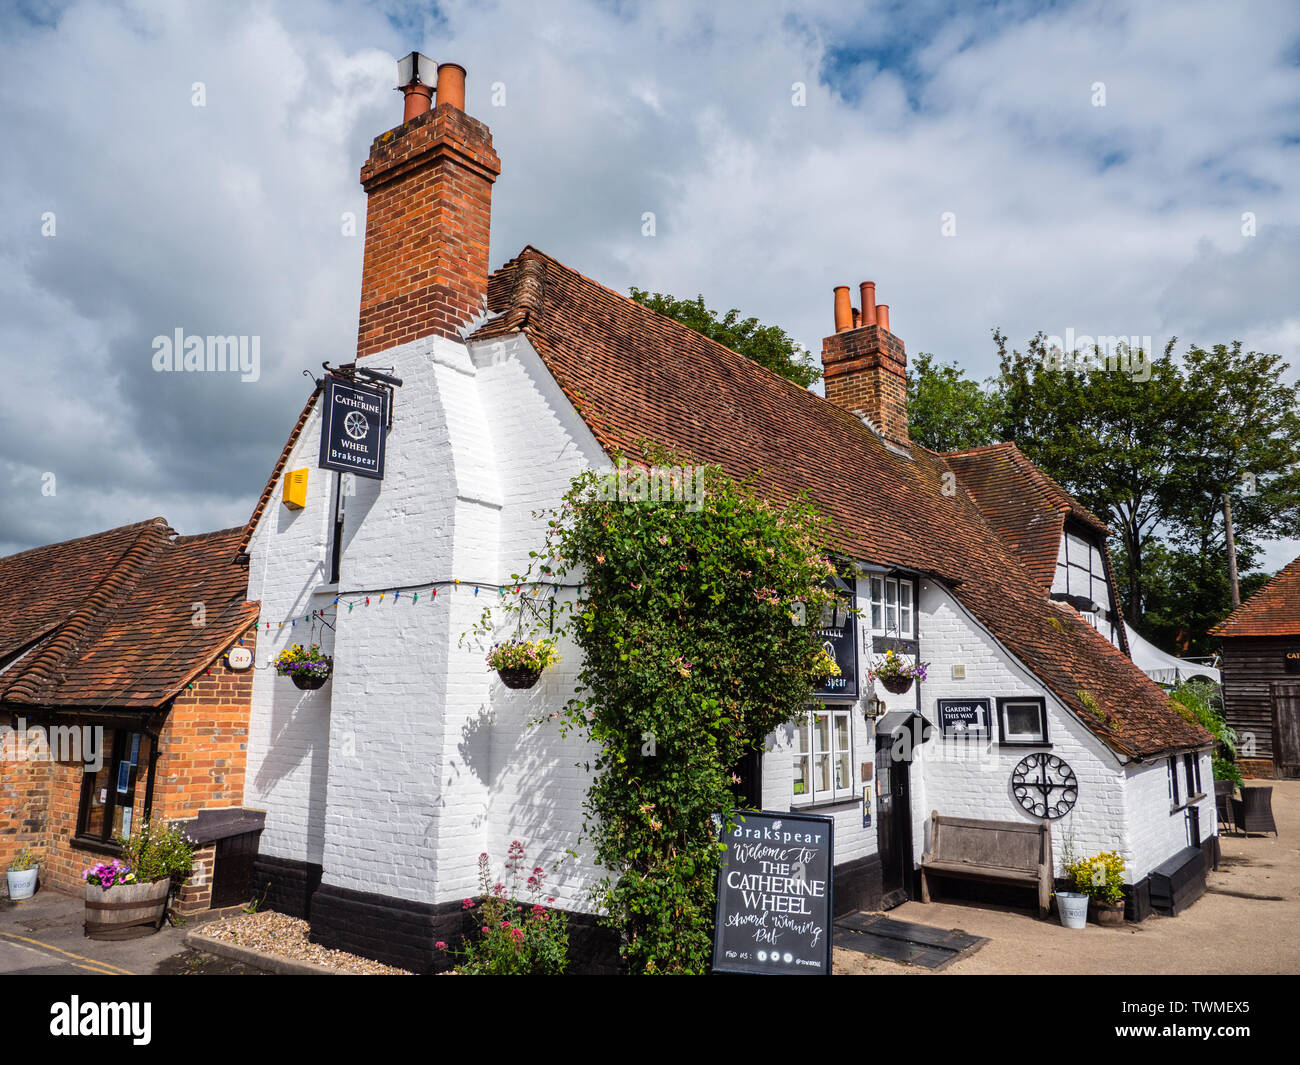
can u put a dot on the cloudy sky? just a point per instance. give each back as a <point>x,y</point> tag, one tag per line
<point>128,211</point>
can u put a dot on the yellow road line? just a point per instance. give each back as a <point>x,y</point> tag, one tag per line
<point>91,963</point>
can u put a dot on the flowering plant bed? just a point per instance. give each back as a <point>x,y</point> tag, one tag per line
<point>308,667</point>
<point>517,936</point>
<point>126,895</point>
<point>520,662</point>
<point>106,874</point>
<point>895,673</point>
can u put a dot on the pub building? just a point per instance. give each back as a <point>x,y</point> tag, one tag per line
<point>1261,676</point>
<point>125,677</point>
<point>382,787</point>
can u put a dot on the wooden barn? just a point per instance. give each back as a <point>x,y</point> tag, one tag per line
<point>1261,676</point>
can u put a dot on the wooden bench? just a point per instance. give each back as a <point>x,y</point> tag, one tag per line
<point>1007,852</point>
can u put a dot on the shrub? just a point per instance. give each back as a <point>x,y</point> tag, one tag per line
<point>22,861</point>
<point>691,625</point>
<point>1100,877</point>
<point>156,850</point>
<point>517,936</point>
<point>1200,702</point>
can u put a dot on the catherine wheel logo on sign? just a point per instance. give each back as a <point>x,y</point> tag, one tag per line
<point>356,425</point>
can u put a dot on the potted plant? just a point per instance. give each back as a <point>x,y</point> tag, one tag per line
<point>520,662</point>
<point>129,893</point>
<point>1101,879</point>
<point>22,875</point>
<point>824,667</point>
<point>895,673</point>
<point>308,667</point>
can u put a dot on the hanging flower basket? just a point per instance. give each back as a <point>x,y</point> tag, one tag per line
<point>896,673</point>
<point>824,668</point>
<point>307,667</point>
<point>519,678</point>
<point>520,662</point>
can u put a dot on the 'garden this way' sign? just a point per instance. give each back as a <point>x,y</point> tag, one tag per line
<point>774,895</point>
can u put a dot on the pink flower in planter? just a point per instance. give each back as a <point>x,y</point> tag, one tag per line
<point>441,945</point>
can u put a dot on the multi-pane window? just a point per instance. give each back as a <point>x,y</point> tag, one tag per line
<point>108,794</point>
<point>1174,801</point>
<point>892,611</point>
<point>1081,572</point>
<point>1192,770</point>
<point>823,756</point>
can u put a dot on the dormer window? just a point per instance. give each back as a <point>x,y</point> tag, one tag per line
<point>1081,580</point>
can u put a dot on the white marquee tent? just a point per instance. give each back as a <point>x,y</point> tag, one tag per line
<point>1164,668</point>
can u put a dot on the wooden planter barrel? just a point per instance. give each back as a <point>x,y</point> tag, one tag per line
<point>125,910</point>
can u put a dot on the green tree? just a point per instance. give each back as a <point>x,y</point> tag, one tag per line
<point>1236,480</point>
<point>1110,437</point>
<point>946,411</point>
<point>767,345</point>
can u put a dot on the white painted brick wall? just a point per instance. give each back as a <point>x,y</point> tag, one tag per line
<point>415,758</point>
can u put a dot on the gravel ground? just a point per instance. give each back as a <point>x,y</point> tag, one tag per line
<point>285,936</point>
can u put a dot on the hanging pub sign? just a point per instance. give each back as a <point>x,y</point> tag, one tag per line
<point>774,895</point>
<point>838,632</point>
<point>354,428</point>
<point>965,717</point>
<point>1292,660</point>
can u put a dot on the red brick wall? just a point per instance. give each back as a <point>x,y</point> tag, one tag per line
<point>427,227</point>
<point>202,748</point>
<point>201,763</point>
<point>865,372</point>
<point>24,801</point>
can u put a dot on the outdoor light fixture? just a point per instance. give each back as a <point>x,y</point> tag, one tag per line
<point>874,706</point>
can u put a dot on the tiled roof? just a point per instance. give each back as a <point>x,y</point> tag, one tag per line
<point>635,375</point>
<point>1274,610</point>
<point>127,631</point>
<point>1022,504</point>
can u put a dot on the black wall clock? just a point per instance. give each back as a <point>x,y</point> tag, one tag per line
<point>1045,785</point>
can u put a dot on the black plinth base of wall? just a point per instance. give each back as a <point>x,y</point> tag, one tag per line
<point>857,885</point>
<point>394,931</point>
<point>285,885</point>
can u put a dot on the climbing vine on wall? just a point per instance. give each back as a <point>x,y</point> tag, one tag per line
<point>698,625</point>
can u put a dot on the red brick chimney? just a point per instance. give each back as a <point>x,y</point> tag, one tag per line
<point>428,215</point>
<point>865,365</point>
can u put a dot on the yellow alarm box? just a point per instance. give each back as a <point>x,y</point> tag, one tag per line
<point>295,489</point>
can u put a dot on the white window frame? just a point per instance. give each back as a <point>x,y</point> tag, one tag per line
<point>804,724</point>
<point>1039,738</point>
<point>879,589</point>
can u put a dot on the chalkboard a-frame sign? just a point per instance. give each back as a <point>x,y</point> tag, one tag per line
<point>774,895</point>
<point>353,428</point>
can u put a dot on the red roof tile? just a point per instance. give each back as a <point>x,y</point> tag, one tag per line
<point>1274,610</point>
<point>635,375</point>
<point>127,634</point>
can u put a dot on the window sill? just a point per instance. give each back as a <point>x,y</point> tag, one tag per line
<point>825,804</point>
<point>95,846</point>
<point>1025,743</point>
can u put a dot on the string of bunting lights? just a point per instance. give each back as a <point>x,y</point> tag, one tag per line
<point>411,593</point>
